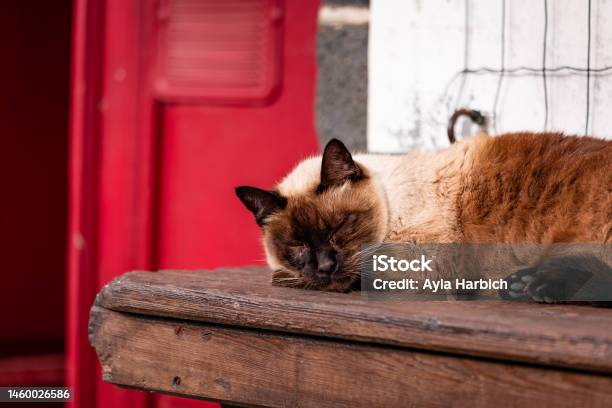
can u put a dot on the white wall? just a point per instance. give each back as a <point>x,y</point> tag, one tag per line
<point>417,46</point>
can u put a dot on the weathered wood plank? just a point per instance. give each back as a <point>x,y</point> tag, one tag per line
<point>568,336</point>
<point>279,370</point>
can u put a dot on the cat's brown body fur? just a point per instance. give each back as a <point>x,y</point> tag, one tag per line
<point>513,188</point>
<point>538,188</point>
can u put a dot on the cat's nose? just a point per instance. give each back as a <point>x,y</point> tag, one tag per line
<point>326,261</point>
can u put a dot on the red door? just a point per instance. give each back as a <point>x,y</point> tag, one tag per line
<point>174,103</point>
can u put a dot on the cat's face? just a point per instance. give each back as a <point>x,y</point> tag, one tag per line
<point>315,223</point>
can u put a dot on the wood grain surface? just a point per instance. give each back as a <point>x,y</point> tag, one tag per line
<point>579,337</point>
<point>280,370</point>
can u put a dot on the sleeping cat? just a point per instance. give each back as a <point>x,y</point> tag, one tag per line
<point>513,188</point>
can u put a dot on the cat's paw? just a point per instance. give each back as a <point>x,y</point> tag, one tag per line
<point>552,282</point>
<point>287,279</point>
<point>543,286</point>
<point>517,284</point>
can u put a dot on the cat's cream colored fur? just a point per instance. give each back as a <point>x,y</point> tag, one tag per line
<point>417,191</point>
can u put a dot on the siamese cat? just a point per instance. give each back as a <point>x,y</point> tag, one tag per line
<point>512,188</point>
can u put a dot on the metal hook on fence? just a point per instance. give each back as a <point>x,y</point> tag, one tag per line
<point>474,115</point>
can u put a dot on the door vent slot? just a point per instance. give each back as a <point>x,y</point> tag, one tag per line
<point>223,50</point>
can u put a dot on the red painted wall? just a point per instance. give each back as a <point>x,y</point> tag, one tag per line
<point>152,181</point>
<point>35,49</point>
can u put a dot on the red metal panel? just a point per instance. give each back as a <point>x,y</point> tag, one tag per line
<point>218,51</point>
<point>83,175</point>
<point>209,150</point>
<point>126,158</point>
<point>110,176</point>
<point>152,183</point>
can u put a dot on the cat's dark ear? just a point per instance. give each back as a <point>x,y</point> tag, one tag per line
<point>337,166</point>
<point>260,202</point>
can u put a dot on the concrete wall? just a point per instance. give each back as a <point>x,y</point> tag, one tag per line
<point>342,72</point>
<point>417,48</point>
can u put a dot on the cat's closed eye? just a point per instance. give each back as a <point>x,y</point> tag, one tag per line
<point>298,253</point>
<point>344,227</point>
<point>339,224</point>
<point>296,244</point>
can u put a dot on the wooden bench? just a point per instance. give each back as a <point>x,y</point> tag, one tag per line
<point>230,336</point>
